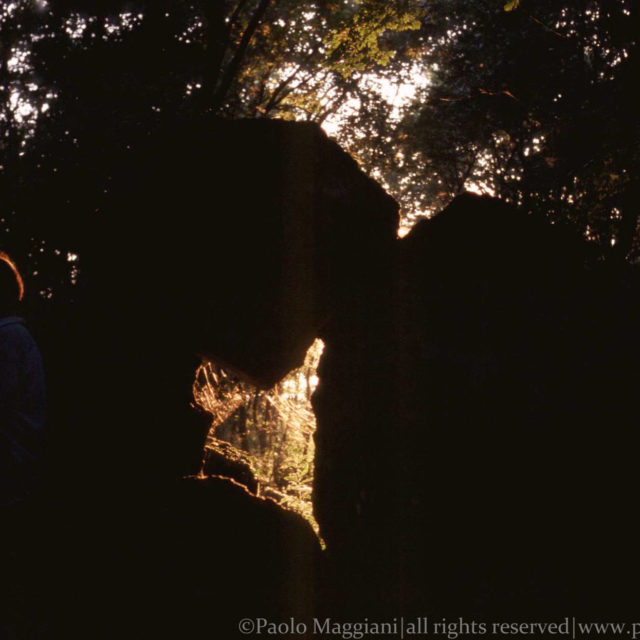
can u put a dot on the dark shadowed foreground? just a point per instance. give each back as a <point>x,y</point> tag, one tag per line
<point>476,411</point>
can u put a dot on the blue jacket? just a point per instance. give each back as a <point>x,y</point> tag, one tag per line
<point>22,411</point>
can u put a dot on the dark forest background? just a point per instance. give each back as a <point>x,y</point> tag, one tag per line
<point>531,101</point>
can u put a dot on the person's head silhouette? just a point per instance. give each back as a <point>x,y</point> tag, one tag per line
<point>11,286</point>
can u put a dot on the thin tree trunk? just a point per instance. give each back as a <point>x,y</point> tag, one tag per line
<point>217,41</point>
<point>232,70</point>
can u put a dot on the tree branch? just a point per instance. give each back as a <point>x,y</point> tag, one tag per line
<point>231,72</point>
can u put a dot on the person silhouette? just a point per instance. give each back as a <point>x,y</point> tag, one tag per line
<point>22,394</point>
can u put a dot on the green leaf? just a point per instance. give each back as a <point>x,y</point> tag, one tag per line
<point>510,6</point>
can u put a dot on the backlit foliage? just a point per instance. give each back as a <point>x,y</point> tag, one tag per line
<point>533,103</point>
<point>356,44</point>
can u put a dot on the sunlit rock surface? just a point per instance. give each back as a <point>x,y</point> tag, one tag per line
<point>270,429</point>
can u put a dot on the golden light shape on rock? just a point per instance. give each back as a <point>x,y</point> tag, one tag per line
<point>271,431</point>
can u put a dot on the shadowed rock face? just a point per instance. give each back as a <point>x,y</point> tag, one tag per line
<point>300,236</point>
<point>464,451</point>
<point>469,371</point>
<point>269,223</point>
<point>247,261</point>
<point>490,302</point>
<point>188,562</point>
<point>237,241</point>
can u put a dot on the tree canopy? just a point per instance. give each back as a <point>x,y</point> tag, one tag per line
<point>534,104</point>
<point>531,102</point>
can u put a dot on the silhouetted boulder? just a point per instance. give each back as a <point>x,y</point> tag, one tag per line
<point>189,561</point>
<point>236,556</point>
<point>476,404</point>
<point>237,241</point>
<point>490,309</point>
<point>475,440</point>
